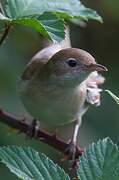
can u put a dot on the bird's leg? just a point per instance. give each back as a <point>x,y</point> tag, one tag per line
<point>77,125</point>
<point>32,131</point>
<point>71,150</point>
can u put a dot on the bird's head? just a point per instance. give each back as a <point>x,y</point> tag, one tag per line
<point>72,65</point>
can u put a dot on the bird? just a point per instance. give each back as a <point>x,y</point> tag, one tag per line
<point>57,88</point>
<point>58,85</point>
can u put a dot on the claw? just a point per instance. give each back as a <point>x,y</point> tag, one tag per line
<point>32,131</point>
<point>71,153</point>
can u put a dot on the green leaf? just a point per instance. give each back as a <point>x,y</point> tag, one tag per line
<point>66,8</point>
<point>53,25</point>
<point>27,164</point>
<point>113,96</point>
<point>79,22</point>
<point>42,15</point>
<point>48,24</point>
<point>100,162</point>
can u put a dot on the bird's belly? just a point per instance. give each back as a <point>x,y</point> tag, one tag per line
<point>55,109</point>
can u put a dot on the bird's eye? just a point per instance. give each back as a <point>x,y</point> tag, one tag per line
<point>72,62</point>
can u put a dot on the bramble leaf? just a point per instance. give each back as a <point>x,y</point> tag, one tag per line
<point>27,164</point>
<point>99,162</point>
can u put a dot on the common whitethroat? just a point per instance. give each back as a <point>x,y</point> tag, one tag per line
<point>57,89</point>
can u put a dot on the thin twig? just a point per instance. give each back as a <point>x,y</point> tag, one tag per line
<point>7,27</point>
<point>5,33</point>
<point>1,9</point>
<point>45,137</point>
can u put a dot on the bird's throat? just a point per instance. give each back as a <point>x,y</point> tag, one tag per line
<point>68,80</point>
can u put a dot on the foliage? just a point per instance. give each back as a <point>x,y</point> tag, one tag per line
<point>26,163</point>
<point>113,96</point>
<point>100,161</point>
<point>35,14</point>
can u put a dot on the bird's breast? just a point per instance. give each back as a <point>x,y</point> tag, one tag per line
<point>54,106</point>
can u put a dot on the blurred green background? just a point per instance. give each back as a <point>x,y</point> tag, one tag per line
<point>101,40</point>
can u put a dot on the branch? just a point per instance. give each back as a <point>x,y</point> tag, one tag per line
<point>5,33</point>
<point>1,9</point>
<point>23,127</point>
<point>7,27</point>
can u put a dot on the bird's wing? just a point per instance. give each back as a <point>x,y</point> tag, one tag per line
<point>93,91</point>
<point>39,60</point>
<point>43,56</point>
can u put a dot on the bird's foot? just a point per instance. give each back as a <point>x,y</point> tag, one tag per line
<point>32,132</point>
<point>73,152</point>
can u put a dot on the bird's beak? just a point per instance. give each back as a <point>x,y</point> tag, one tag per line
<point>94,67</point>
